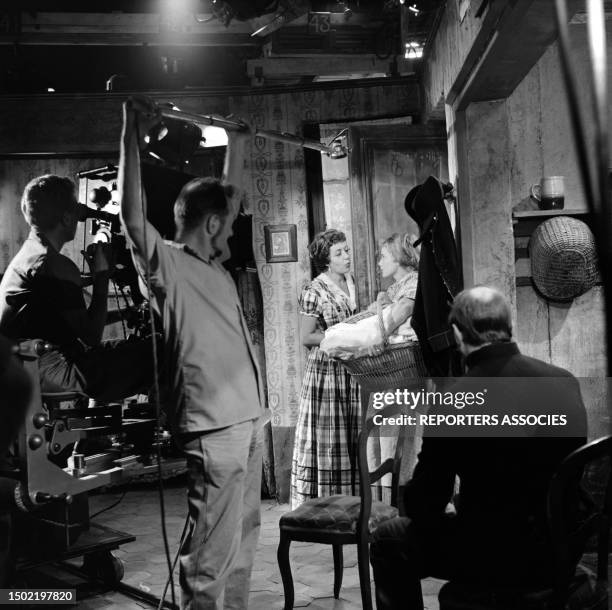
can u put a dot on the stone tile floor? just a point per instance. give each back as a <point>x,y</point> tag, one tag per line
<point>145,564</point>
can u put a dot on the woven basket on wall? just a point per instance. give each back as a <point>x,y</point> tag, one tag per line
<point>563,258</point>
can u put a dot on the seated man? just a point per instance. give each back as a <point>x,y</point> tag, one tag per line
<point>41,297</point>
<point>498,536</point>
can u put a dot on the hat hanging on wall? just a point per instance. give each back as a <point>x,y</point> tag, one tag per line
<point>563,258</point>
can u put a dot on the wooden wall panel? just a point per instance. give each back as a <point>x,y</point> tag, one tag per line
<point>575,341</point>
<point>541,143</point>
<point>447,54</point>
<point>526,162</point>
<point>485,205</point>
<point>531,329</point>
<point>577,344</point>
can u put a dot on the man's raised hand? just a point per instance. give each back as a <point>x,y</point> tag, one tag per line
<point>141,113</point>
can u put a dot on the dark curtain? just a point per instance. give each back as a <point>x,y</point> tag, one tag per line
<point>242,267</point>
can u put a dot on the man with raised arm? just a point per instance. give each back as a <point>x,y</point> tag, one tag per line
<point>213,383</point>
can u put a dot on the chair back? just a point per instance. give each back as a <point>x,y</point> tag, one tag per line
<point>580,509</point>
<point>391,465</point>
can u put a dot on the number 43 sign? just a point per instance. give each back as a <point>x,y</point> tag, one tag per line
<point>319,23</point>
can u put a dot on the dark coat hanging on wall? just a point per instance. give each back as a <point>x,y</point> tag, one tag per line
<point>439,278</point>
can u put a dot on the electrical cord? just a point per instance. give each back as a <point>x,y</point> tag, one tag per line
<point>178,552</point>
<point>155,378</point>
<point>115,503</point>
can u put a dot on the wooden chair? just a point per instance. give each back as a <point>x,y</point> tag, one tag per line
<point>572,588</point>
<point>339,520</point>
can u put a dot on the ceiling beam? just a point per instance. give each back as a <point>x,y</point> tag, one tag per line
<point>124,29</point>
<point>324,65</point>
<point>522,34</point>
<point>127,40</point>
<point>170,29</point>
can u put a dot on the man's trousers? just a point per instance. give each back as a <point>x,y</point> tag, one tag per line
<point>224,494</point>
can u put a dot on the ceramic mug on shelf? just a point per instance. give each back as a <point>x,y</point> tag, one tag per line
<point>550,193</point>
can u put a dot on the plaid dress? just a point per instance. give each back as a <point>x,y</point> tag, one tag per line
<point>329,418</point>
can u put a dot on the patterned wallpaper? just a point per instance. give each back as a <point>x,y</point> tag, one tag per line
<point>274,178</point>
<point>277,196</point>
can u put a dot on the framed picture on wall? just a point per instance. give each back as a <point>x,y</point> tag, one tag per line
<point>281,243</point>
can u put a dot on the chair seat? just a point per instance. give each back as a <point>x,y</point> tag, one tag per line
<point>336,513</point>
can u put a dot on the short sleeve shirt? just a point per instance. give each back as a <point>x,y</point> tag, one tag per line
<point>404,288</point>
<point>212,373</point>
<point>323,300</point>
<point>38,292</point>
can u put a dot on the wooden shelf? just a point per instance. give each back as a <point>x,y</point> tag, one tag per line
<point>525,222</point>
<point>546,213</point>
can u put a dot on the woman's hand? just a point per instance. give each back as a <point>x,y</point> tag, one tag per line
<point>311,334</point>
<point>383,299</point>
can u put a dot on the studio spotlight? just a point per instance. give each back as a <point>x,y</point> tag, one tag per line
<point>173,142</point>
<point>338,148</point>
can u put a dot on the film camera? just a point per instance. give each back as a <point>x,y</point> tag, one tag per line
<point>162,186</point>
<point>106,228</point>
<point>102,215</point>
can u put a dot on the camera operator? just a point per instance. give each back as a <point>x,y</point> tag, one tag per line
<point>41,297</point>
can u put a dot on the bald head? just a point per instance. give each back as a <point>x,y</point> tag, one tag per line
<point>482,315</point>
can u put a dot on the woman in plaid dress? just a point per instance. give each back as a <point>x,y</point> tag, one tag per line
<point>329,418</point>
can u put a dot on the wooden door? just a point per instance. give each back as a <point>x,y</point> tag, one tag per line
<point>385,162</point>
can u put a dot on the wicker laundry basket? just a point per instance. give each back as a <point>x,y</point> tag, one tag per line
<point>563,258</point>
<point>391,365</point>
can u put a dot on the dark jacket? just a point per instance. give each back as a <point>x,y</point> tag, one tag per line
<point>501,509</point>
<point>439,278</point>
